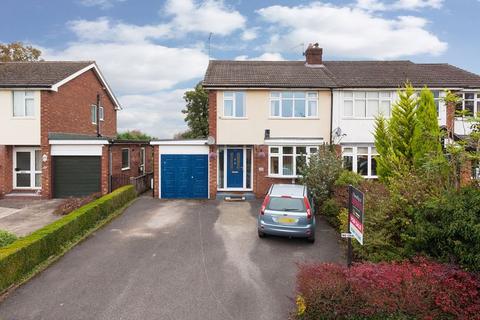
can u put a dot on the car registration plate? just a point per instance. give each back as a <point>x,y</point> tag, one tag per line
<point>287,220</point>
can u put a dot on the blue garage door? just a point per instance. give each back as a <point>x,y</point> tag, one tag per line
<point>184,176</point>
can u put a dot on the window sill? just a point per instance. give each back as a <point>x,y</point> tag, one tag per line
<point>125,169</point>
<point>356,118</point>
<point>24,118</point>
<point>293,118</point>
<point>282,176</point>
<point>233,118</point>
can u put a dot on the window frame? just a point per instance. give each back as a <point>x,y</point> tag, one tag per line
<point>93,114</point>
<point>475,100</point>
<point>128,150</point>
<point>101,113</point>
<point>234,104</point>
<point>142,159</point>
<point>354,93</point>
<point>354,155</point>
<point>280,99</point>
<point>24,102</point>
<point>280,155</point>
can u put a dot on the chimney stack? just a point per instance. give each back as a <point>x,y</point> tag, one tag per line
<point>313,55</point>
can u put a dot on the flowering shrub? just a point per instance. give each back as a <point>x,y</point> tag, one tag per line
<point>399,290</point>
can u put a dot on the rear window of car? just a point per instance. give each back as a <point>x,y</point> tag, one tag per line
<point>286,204</point>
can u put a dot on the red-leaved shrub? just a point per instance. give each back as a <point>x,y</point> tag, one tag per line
<point>420,289</point>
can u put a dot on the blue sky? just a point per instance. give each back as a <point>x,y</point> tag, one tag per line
<point>153,51</point>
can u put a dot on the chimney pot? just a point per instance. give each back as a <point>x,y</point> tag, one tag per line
<point>314,54</point>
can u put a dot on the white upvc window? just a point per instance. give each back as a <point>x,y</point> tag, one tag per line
<point>360,159</point>
<point>101,114</point>
<point>367,104</point>
<point>23,104</point>
<point>234,104</point>
<point>93,112</point>
<point>286,161</point>
<point>293,104</point>
<point>470,101</point>
<point>125,159</point>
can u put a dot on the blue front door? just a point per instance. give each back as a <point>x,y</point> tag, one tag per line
<point>234,168</point>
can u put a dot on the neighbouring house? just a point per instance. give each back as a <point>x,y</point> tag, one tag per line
<point>58,121</point>
<point>268,117</point>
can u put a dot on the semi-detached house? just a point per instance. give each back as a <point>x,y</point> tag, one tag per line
<point>267,117</point>
<point>58,121</point>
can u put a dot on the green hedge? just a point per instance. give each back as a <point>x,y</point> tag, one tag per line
<point>18,259</point>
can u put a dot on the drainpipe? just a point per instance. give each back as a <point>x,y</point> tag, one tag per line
<point>98,115</point>
<point>331,115</point>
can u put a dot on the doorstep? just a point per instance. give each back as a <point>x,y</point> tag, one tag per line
<point>235,195</point>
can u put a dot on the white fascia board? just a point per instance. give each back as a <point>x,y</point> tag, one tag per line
<point>98,73</point>
<point>179,143</point>
<point>395,89</point>
<point>78,142</point>
<point>295,142</point>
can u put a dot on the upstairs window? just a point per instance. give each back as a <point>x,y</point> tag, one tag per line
<point>366,104</point>
<point>23,104</point>
<point>291,104</point>
<point>93,111</point>
<point>234,104</point>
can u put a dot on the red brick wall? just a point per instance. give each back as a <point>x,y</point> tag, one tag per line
<point>450,119</point>
<point>135,149</point>
<point>261,181</point>
<point>104,185</point>
<point>213,173</point>
<point>156,158</point>
<point>68,110</point>
<point>6,170</point>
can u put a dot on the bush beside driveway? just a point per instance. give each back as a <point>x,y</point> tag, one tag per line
<point>20,258</point>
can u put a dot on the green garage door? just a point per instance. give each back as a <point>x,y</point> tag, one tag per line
<point>76,176</point>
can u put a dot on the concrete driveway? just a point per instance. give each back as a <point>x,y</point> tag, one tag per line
<point>22,217</point>
<point>174,260</point>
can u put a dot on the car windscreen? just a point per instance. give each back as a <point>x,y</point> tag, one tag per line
<point>286,204</point>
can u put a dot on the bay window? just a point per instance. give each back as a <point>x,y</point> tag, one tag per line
<point>360,159</point>
<point>234,104</point>
<point>286,161</point>
<point>366,104</point>
<point>290,104</point>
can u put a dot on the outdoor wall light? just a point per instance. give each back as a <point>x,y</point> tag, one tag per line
<point>212,155</point>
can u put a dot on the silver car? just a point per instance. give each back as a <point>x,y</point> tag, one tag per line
<point>287,211</point>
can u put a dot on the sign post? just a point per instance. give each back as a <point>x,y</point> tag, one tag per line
<point>356,201</point>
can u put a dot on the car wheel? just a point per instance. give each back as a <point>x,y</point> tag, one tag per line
<point>261,234</point>
<point>311,239</point>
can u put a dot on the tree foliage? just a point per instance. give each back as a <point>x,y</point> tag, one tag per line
<point>426,136</point>
<point>17,51</point>
<point>321,172</point>
<point>411,137</point>
<point>196,111</point>
<point>134,135</point>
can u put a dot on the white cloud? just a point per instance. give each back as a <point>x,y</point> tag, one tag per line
<point>249,34</point>
<point>138,67</point>
<point>267,56</point>
<point>204,17</point>
<point>103,4</point>
<point>158,114</point>
<point>379,5</point>
<point>349,31</point>
<point>103,29</point>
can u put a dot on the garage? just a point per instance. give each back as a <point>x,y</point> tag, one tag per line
<point>183,170</point>
<point>76,165</point>
<point>76,176</point>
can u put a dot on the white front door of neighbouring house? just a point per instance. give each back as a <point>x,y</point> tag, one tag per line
<point>27,168</point>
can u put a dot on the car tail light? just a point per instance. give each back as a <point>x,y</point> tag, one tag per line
<point>264,204</point>
<point>307,205</point>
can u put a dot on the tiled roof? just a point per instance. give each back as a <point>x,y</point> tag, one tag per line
<point>41,74</point>
<point>281,74</point>
<point>336,74</point>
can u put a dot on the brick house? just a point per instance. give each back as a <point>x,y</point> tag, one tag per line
<point>267,117</point>
<point>54,141</point>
